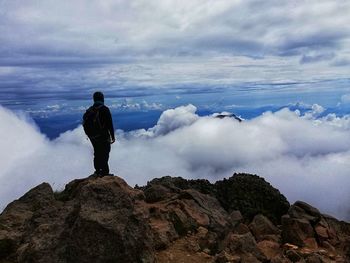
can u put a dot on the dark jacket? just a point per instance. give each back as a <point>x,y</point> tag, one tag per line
<point>105,118</point>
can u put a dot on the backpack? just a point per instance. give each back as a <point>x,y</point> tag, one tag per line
<point>91,122</point>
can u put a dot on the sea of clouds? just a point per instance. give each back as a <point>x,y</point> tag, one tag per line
<point>305,156</point>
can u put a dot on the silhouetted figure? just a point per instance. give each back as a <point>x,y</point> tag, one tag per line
<point>98,126</point>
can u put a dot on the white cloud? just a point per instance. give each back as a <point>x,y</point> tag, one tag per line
<point>306,158</point>
<point>156,43</point>
<point>130,105</point>
<point>345,98</point>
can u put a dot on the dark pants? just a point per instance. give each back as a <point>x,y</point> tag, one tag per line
<point>101,156</point>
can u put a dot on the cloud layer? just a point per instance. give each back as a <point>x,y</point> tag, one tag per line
<point>304,156</point>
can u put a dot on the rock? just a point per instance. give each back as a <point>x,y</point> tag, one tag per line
<point>7,247</point>
<point>97,223</point>
<point>156,193</point>
<point>296,230</point>
<point>303,210</point>
<point>202,232</point>
<point>346,248</point>
<point>236,217</point>
<point>249,258</point>
<point>321,232</point>
<point>269,248</point>
<point>310,243</point>
<point>251,195</point>
<point>280,259</point>
<point>242,245</point>
<point>293,255</point>
<point>314,258</point>
<point>163,232</point>
<point>176,184</point>
<point>288,246</point>
<point>262,228</point>
<point>168,220</point>
<point>213,215</point>
<point>328,247</point>
<point>225,257</point>
<point>241,229</point>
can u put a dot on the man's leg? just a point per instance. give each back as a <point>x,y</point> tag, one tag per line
<point>97,156</point>
<point>105,149</point>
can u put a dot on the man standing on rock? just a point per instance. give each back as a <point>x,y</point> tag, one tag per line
<point>98,126</point>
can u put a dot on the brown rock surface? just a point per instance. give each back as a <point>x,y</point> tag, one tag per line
<point>296,230</point>
<point>262,228</point>
<point>97,222</point>
<point>170,220</point>
<point>270,249</point>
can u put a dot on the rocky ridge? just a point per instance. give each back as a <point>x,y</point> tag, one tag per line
<point>240,219</point>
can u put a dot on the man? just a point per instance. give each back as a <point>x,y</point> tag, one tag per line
<point>98,126</point>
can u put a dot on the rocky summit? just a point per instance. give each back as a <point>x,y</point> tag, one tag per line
<point>240,219</point>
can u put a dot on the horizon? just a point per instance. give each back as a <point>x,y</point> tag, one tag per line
<point>165,67</point>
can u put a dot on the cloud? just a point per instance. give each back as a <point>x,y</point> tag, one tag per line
<point>345,98</point>
<point>306,157</point>
<point>123,45</point>
<point>129,105</point>
<point>316,58</point>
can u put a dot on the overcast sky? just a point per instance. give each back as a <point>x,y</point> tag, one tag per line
<point>68,48</point>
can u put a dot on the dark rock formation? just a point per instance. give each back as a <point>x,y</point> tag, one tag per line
<point>168,220</point>
<point>251,195</point>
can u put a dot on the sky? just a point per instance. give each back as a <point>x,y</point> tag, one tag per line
<point>165,67</point>
<point>53,50</point>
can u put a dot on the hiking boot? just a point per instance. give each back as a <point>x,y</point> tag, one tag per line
<point>94,175</point>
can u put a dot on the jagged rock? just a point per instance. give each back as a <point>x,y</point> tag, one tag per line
<point>176,184</point>
<point>251,195</point>
<point>270,249</point>
<point>236,217</point>
<point>243,245</point>
<point>105,220</point>
<point>280,259</point>
<point>225,257</point>
<point>296,230</point>
<point>303,210</point>
<point>241,229</point>
<point>338,231</point>
<point>288,246</point>
<point>293,255</point>
<point>97,223</point>
<point>311,243</point>
<point>262,228</point>
<point>156,193</point>
<point>183,211</point>
<point>314,258</point>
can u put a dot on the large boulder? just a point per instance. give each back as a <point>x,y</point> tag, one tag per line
<point>262,228</point>
<point>296,231</point>
<point>92,221</point>
<point>185,211</point>
<point>244,246</point>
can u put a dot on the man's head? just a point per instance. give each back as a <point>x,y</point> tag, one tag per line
<point>98,96</point>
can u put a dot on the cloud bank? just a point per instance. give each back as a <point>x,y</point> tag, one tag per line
<point>304,156</point>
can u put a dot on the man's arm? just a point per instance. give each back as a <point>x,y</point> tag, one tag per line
<point>109,124</point>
